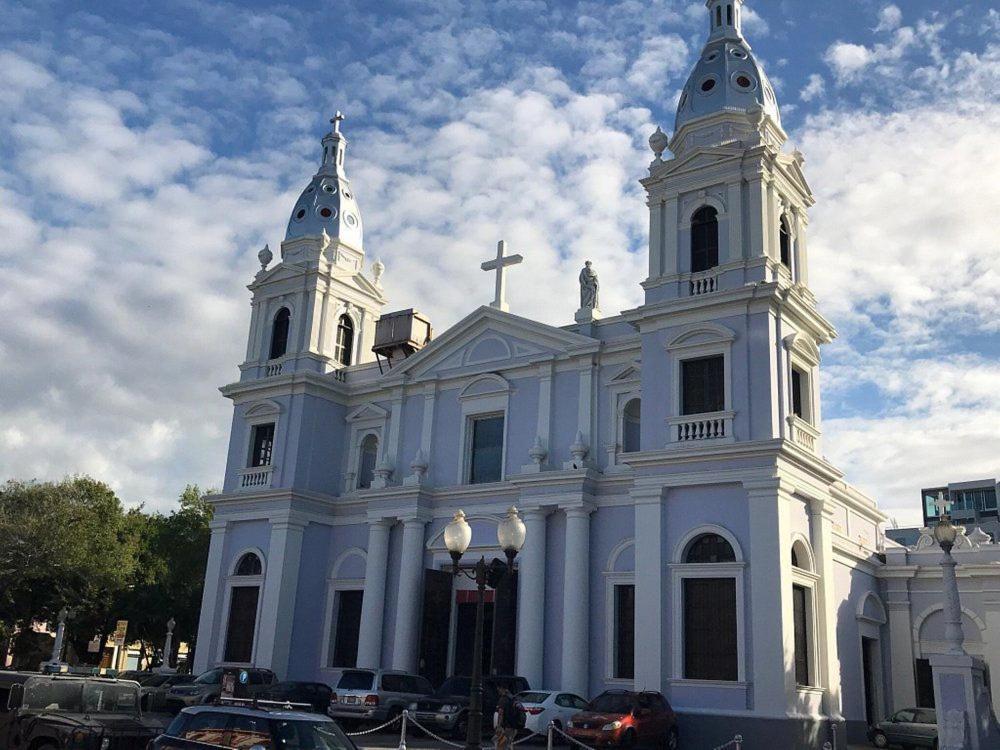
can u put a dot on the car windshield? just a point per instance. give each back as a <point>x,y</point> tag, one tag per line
<point>110,698</point>
<point>211,677</point>
<point>310,735</point>
<point>532,697</point>
<point>455,686</point>
<point>356,680</point>
<point>53,695</point>
<point>611,704</point>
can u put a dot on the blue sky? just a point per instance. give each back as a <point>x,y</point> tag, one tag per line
<point>150,150</point>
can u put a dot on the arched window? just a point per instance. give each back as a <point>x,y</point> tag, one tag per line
<point>366,461</point>
<point>710,548</point>
<point>785,242</point>
<point>711,639</point>
<point>249,565</point>
<point>704,239</point>
<point>718,16</point>
<point>631,425</point>
<point>345,340</point>
<point>729,15</point>
<point>279,333</point>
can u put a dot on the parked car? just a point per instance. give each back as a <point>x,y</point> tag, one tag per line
<point>240,727</point>
<point>9,682</point>
<point>624,718</point>
<point>207,687</point>
<point>375,696</point>
<point>909,727</point>
<point>447,710</point>
<point>545,706</point>
<point>315,694</point>
<point>48,712</point>
<point>154,688</point>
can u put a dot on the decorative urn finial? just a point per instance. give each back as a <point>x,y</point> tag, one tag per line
<point>265,256</point>
<point>658,142</point>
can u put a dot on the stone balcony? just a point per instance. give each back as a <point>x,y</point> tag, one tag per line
<point>802,433</point>
<point>254,478</point>
<point>701,427</point>
<point>704,282</point>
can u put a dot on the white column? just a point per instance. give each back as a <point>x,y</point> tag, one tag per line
<point>208,631</point>
<point>821,522</point>
<point>771,220</point>
<point>576,602</point>
<point>411,577</point>
<point>734,214</point>
<point>650,573</point>
<point>543,428</point>
<point>655,236</point>
<point>373,601</point>
<point>904,691</point>
<point>771,621</point>
<point>585,407</point>
<point>277,610</point>
<point>531,599</point>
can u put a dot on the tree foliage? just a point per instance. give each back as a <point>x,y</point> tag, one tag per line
<point>72,544</point>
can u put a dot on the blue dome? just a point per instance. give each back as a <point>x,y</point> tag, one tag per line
<point>328,202</point>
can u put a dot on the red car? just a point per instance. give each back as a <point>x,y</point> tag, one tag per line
<point>623,718</point>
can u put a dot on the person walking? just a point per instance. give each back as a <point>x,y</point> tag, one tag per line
<point>506,729</point>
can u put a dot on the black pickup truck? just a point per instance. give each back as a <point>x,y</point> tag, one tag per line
<point>447,711</point>
<point>52,712</point>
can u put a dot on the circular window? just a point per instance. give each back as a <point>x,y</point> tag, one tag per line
<point>326,212</point>
<point>300,214</point>
<point>329,188</point>
<point>737,52</point>
<point>744,81</point>
<point>707,85</point>
<point>347,193</point>
<point>350,219</point>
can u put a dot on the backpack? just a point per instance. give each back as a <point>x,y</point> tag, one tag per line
<point>520,716</point>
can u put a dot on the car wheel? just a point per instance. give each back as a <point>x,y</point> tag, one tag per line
<point>673,739</point>
<point>880,740</point>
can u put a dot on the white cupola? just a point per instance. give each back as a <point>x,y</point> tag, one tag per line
<point>328,204</point>
<point>727,79</point>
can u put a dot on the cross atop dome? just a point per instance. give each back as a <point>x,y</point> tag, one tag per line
<point>336,120</point>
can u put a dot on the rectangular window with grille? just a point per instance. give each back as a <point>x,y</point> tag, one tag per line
<point>800,608</point>
<point>710,645</point>
<point>486,450</point>
<point>703,385</point>
<point>261,444</point>
<point>625,631</point>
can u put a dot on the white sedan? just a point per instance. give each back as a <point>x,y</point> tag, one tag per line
<point>544,706</point>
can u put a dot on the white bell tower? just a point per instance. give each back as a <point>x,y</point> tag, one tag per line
<point>316,309</point>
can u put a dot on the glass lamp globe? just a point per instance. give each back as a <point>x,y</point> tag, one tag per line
<point>458,535</point>
<point>945,532</point>
<point>511,532</point>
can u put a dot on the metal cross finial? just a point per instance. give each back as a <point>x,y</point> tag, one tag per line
<point>499,264</point>
<point>336,120</point>
<point>941,505</point>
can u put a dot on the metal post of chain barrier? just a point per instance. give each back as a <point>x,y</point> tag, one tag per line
<point>738,739</point>
<point>402,730</point>
<point>827,745</point>
<point>548,741</point>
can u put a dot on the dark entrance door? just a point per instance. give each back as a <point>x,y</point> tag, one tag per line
<point>435,626</point>
<point>869,654</point>
<point>345,645</point>
<point>925,684</point>
<point>465,632</point>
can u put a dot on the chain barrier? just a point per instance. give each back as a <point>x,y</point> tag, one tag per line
<point>526,738</point>
<point>427,731</point>
<point>379,728</point>
<point>554,728</point>
<point>736,743</point>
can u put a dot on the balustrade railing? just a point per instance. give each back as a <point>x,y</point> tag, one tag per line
<point>272,369</point>
<point>255,478</point>
<point>803,433</point>
<point>704,283</point>
<point>694,427</point>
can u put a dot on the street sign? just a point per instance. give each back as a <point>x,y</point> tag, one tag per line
<point>121,627</point>
<point>244,677</point>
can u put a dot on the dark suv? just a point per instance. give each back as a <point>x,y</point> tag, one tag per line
<point>230,725</point>
<point>625,718</point>
<point>448,709</point>
<point>84,713</point>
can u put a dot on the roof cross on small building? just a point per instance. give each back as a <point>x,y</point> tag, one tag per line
<point>941,505</point>
<point>500,264</point>
<point>336,120</point>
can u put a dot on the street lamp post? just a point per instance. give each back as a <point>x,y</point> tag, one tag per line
<point>457,538</point>
<point>945,534</point>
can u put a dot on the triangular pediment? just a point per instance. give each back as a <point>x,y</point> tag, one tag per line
<point>792,169</point>
<point>700,159</point>
<point>629,374</point>
<point>367,412</point>
<point>492,340</point>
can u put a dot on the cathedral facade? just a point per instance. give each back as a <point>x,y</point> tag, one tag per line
<point>684,531</point>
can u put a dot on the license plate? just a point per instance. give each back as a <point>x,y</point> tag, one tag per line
<point>352,700</point>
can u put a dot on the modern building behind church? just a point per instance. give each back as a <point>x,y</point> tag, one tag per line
<point>684,531</point>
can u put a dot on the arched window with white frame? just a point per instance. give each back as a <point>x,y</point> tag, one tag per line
<point>367,459</point>
<point>279,333</point>
<point>803,612</point>
<point>631,425</point>
<point>785,242</point>
<point>344,348</point>
<point>704,239</point>
<point>243,594</point>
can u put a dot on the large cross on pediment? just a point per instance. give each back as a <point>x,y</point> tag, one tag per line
<point>500,264</point>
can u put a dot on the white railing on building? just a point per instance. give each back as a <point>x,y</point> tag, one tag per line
<point>803,433</point>
<point>715,426</point>
<point>736,743</point>
<point>273,368</point>
<point>255,477</point>
<point>705,282</point>
<point>340,376</point>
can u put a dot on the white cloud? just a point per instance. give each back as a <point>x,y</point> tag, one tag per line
<point>889,18</point>
<point>815,87</point>
<point>661,59</point>
<point>754,24</point>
